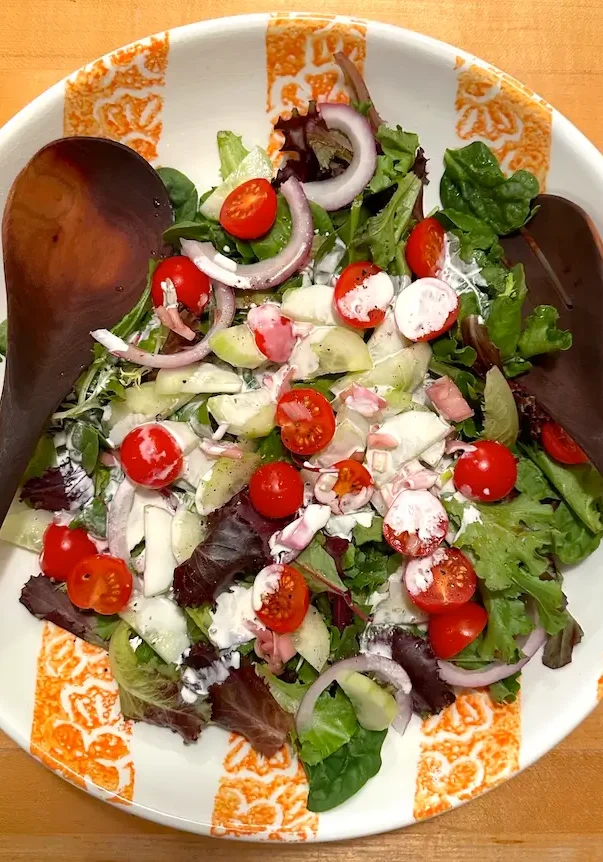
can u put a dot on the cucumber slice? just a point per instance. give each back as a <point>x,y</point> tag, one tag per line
<point>342,350</point>
<point>312,304</point>
<point>226,478</point>
<point>159,560</point>
<point>248,413</point>
<point>386,339</point>
<point>24,527</point>
<point>187,532</point>
<point>161,623</point>
<point>236,345</point>
<point>375,707</point>
<point>349,438</point>
<point>146,401</point>
<point>255,164</point>
<point>402,370</point>
<point>200,378</point>
<point>312,639</point>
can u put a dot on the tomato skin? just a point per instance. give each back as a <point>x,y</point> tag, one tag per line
<point>488,473</point>
<point>101,583</point>
<point>276,490</point>
<point>451,632</point>
<point>410,545</point>
<point>192,286</point>
<point>249,211</point>
<point>151,456</point>
<point>353,276</point>
<point>425,248</point>
<point>353,477</point>
<point>284,610</point>
<point>273,333</point>
<point>454,581</point>
<point>63,548</point>
<point>560,446</point>
<point>411,513</point>
<point>306,420</point>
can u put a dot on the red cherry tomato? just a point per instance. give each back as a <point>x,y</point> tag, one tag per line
<point>425,248</point>
<point>450,577</point>
<point>284,609</point>
<point>353,300</point>
<point>561,446</point>
<point>488,472</point>
<point>62,549</point>
<point>306,420</point>
<point>151,456</point>
<point>192,286</point>
<point>102,583</point>
<point>451,632</point>
<point>250,210</point>
<point>353,477</point>
<point>415,524</point>
<point>273,333</point>
<point>426,309</point>
<point>276,490</point>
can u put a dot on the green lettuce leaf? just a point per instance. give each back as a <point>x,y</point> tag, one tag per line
<point>182,193</point>
<point>573,541</point>
<point>531,481</point>
<point>504,318</point>
<point>580,486</point>
<point>374,533</point>
<point>399,152</point>
<point>334,723</point>
<point>369,570</point>
<point>507,618</point>
<point>92,518</point>
<point>449,349</point>
<point>506,690</point>
<point>540,334</point>
<point>319,569</point>
<point>231,151</point>
<point>501,420</point>
<point>341,775</point>
<point>381,235</point>
<point>473,183</point>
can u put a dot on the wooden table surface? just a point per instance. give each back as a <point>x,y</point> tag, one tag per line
<point>554,811</point>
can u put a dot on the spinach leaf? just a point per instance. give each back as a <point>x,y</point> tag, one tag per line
<point>182,193</point>
<point>201,229</point>
<point>84,438</point>
<point>44,456</point>
<point>504,319</point>
<point>231,152</point>
<point>342,774</point>
<point>382,233</point>
<point>540,334</point>
<point>474,183</point>
<point>279,234</point>
<point>92,518</point>
<point>333,725</point>
<point>322,220</point>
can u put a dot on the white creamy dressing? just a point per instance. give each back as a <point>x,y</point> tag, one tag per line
<point>232,617</point>
<point>417,513</point>
<point>398,607</point>
<point>297,535</point>
<point>342,526</point>
<point>424,307</point>
<point>419,572</point>
<point>471,515</point>
<point>375,293</point>
<point>463,277</point>
<point>196,683</point>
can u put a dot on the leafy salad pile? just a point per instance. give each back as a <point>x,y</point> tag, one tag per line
<point>233,529</point>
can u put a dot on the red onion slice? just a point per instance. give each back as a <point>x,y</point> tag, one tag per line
<point>338,192</point>
<point>387,670</point>
<point>117,520</point>
<point>223,317</point>
<point>494,672</point>
<point>267,273</point>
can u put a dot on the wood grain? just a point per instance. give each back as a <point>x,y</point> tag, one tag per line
<point>553,811</point>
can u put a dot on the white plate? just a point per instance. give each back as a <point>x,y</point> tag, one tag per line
<point>167,97</point>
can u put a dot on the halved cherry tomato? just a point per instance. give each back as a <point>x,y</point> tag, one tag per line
<point>450,579</point>
<point>426,309</point>
<point>63,549</point>
<point>151,456</point>
<point>425,248</point>
<point>561,446</point>
<point>276,490</point>
<point>359,304</point>
<point>102,583</point>
<point>273,333</point>
<point>306,420</point>
<point>353,477</point>
<point>250,210</point>
<point>284,609</point>
<point>451,632</point>
<point>487,472</point>
<point>415,524</point>
<point>192,286</point>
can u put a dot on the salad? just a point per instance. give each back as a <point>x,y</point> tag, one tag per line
<point>300,492</point>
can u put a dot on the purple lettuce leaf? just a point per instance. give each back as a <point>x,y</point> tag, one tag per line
<point>172,712</point>
<point>243,704</point>
<point>430,694</point>
<point>314,151</point>
<point>58,488</point>
<point>46,600</point>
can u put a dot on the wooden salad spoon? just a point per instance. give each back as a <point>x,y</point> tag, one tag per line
<point>81,221</point>
<point>562,253</point>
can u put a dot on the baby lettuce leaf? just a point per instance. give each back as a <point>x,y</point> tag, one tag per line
<point>540,334</point>
<point>572,541</point>
<point>315,152</point>
<point>399,149</point>
<point>374,533</point>
<point>56,489</point>
<point>430,694</point>
<point>333,725</point>
<point>559,648</point>
<point>474,183</point>
<point>146,694</point>
<point>182,193</point>
<point>504,318</point>
<point>236,542</point>
<point>84,438</point>
<point>531,481</point>
<point>44,456</point>
<point>344,773</point>
<point>506,690</point>
<point>244,704</point>
<point>231,151</point>
<point>47,600</point>
<point>381,235</point>
<point>507,618</point>
<point>319,569</point>
<point>92,518</point>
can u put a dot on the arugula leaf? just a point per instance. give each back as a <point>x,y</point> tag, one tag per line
<point>504,318</point>
<point>581,486</point>
<point>92,518</point>
<point>132,321</point>
<point>333,725</point>
<point>505,690</point>
<point>231,151</point>
<point>3,337</point>
<point>540,334</point>
<point>381,235</point>
<point>84,438</point>
<point>572,541</point>
<point>531,481</point>
<point>44,456</point>
<point>399,150</point>
<point>473,183</point>
<point>374,533</point>
<point>319,569</point>
<point>342,774</point>
<point>182,193</point>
